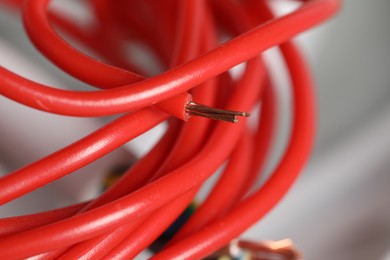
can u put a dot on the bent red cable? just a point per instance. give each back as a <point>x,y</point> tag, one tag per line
<point>154,205</point>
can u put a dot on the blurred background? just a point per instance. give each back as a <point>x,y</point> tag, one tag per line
<point>339,209</point>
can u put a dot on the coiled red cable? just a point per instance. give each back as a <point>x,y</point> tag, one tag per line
<point>184,35</point>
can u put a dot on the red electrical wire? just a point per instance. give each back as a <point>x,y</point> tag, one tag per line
<point>130,215</point>
<point>220,232</point>
<point>191,137</point>
<point>153,228</point>
<point>168,84</point>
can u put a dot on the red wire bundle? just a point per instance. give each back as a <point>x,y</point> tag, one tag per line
<point>184,35</point>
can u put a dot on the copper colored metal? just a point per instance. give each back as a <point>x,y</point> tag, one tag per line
<point>267,250</point>
<point>196,109</point>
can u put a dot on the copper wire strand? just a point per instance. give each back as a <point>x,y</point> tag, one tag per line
<point>258,250</point>
<point>195,109</point>
<point>283,248</point>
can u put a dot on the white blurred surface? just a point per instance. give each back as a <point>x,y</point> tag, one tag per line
<point>340,208</point>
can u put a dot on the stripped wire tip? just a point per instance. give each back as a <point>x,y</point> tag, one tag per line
<point>270,249</point>
<point>195,109</point>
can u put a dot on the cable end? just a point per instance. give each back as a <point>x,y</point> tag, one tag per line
<point>195,109</point>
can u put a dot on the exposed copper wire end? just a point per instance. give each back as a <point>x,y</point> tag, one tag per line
<point>259,250</point>
<point>195,109</point>
<point>283,248</point>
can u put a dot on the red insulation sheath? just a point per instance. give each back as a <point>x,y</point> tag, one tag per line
<point>141,202</point>
<point>187,144</point>
<point>78,154</point>
<point>220,232</point>
<point>170,83</point>
<point>184,36</point>
<point>13,225</point>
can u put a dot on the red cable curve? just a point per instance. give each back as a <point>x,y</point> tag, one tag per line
<point>185,37</point>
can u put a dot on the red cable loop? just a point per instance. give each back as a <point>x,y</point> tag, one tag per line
<point>168,84</point>
<point>184,35</point>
